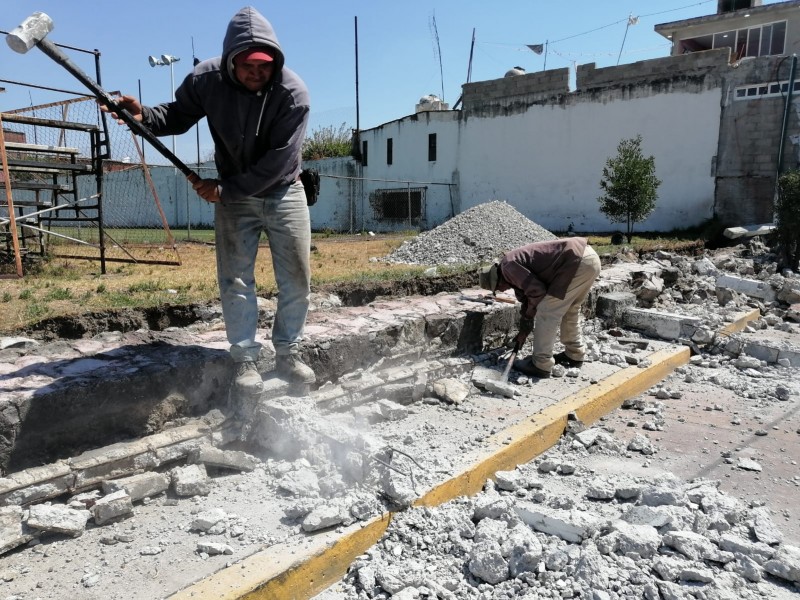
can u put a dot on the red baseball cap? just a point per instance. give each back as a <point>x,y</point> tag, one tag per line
<point>259,54</point>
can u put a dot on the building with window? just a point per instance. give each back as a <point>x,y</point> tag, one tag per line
<point>720,115</point>
<point>747,27</point>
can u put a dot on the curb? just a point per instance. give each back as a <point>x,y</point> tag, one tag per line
<point>267,575</point>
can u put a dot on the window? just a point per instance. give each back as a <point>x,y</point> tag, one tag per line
<point>400,204</point>
<point>764,40</point>
<point>364,153</point>
<point>431,147</point>
<point>389,151</point>
<point>765,90</point>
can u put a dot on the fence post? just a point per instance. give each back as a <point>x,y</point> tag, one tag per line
<point>12,222</point>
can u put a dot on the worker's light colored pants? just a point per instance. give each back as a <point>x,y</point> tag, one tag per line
<point>553,312</point>
<point>283,215</point>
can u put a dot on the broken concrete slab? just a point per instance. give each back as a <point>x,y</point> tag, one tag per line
<point>749,287</point>
<point>113,507</point>
<point>611,306</point>
<point>198,367</point>
<point>665,326</point>
<point>12,530</point>
<point>734,233</point>
<point>571,526</point>
<point>139,486</point>
<point>223,459</point>
<point>58,519</point>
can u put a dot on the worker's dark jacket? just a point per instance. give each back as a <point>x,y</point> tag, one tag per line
<point>541,269</point>
<point>257,135</point>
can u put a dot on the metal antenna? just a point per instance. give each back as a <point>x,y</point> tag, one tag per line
<point>437,51</point>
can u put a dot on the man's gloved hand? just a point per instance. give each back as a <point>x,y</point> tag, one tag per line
<point>525,328</point>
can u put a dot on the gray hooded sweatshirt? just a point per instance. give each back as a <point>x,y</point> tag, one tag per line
<point>258,136</point>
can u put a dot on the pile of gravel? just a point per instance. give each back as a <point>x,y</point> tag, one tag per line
<point>479,234</point>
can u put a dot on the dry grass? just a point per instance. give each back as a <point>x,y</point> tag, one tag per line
<point>69,286</point>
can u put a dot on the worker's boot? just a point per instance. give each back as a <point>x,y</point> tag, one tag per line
<point>245,394</point>
<point>292,368</point>
<point>525,365</point>
<point>565,361</point>
<point>247,380</point>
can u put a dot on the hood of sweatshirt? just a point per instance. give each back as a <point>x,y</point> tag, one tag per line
<point>248,28</point>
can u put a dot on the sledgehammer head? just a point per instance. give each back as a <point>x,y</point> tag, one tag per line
<point>32,31</point>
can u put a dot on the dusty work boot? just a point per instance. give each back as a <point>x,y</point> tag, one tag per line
<point>527,367</point>
<point>247,380</point>
<point>292,368</point>
<point>565,361</point>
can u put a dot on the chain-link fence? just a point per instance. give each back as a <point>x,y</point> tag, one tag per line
<point>70,203</point>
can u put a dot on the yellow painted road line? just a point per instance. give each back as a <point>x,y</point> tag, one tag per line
<point>278,574</point>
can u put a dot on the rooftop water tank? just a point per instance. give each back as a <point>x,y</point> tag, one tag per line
<point>725,6</point>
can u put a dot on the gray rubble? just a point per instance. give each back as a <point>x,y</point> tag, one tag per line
<point>527,535</point>
<point>479,234</point>
<point>568,543</point>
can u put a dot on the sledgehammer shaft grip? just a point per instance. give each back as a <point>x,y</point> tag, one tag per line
<point>57,55</point>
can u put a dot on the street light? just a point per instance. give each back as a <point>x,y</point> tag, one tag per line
<point>166,60</point>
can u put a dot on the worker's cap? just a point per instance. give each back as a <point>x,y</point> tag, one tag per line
<point>487,277</point>
<point>255,54</point>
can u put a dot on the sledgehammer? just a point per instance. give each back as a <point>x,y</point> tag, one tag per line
<point>32,32</point>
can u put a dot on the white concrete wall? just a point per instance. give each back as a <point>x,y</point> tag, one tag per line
<point>338,190</point>
<point>548,161</point>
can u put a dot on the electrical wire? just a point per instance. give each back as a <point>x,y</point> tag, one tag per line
<point>625,20</point>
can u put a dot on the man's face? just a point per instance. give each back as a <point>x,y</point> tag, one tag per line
<point>253,74</point>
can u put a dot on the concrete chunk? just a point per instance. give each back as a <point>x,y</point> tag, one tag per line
<point>191,480</point>
<point>207,519</point>
<point>611,306</point>
<point>692,545</point>
<point>666,326</point>
<point>112,507</point>
<point>214,548</point>
<point>224,459</point>
<point>322,517</point>
<point>143,485</point>
<point>12,534</point>
<point>756,550</point>
<point>750,287</point>
<point>58,518</point>
<point>785,564</point>
<point>571,526</point>
<point>450,390</point>
<point>748,231</point>
<point>36,484</point>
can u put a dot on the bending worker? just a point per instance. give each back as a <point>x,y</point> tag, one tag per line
<point>551,279</point>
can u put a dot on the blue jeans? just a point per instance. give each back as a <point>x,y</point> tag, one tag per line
<point>283,215</point>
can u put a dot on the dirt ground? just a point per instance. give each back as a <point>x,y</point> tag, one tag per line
<point>161,317</point>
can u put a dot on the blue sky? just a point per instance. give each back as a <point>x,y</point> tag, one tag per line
<point>398,54</point>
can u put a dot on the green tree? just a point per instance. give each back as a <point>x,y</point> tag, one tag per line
<point>787,219</point>
<point>328,142</point>
<point>630,185</point>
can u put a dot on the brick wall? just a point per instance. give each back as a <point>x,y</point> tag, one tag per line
<point>749,139</point>
<point>648,71</point>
